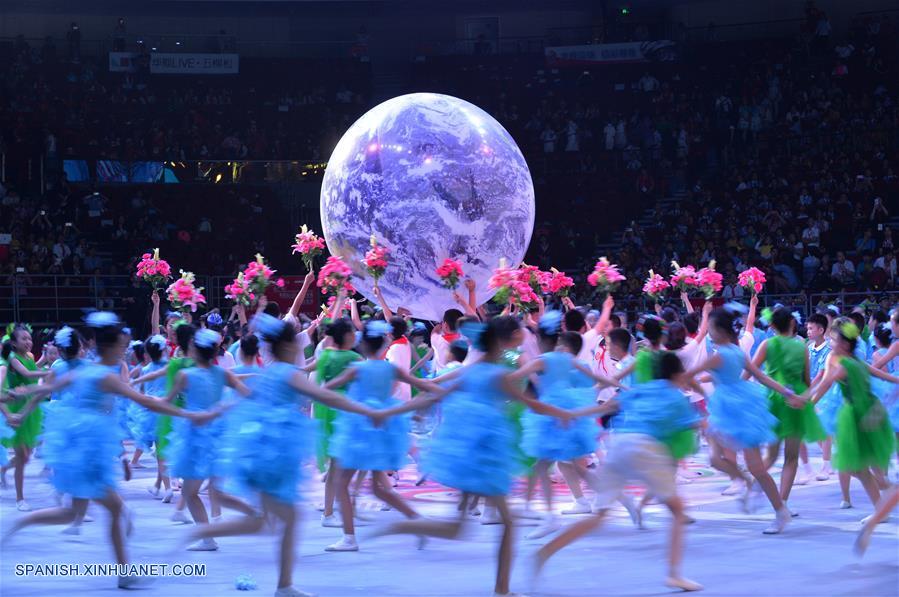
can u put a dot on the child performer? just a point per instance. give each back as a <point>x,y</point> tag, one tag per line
<point>786,361</point>
<point>864,436</point>
<point>739,416</point>
<point>473,449</point>
<point>650,414</point>
<point>359,446</point>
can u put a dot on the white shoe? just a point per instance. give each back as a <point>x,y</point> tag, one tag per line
<point>169,496</point>
<point>154,491</point>
<point>844,505</point>
<point>204,545</point>
<point>825,472</point>
<point>782,519</point>
<point>22,506</point>
<point>549,526</point>
<point>867,518</point>
<point>291,592</point>
<point>87,518</point>
<point>180,516</point>
<point>332,521</point>
<point>736,487</point>
<point>681,479</point>
<point>579,506</point>
<point>684,584</point>
<point>803,476</point>
<point>72,530</point>
<point>528,514</point>
<point>215,519</point>
<point>345,544</point>
<point>792,512</point>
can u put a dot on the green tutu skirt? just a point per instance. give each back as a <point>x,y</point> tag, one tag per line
<point>799,423</point>
<point>525,463</point>
<point>26,434</point>
<point>325,415</point>
<point>164,430</point>
<point>863,442</point>
<point>683,443</point>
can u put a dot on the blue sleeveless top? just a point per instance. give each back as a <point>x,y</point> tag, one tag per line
<point>204,387</point>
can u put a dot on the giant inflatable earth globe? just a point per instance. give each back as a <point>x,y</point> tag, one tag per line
<point>431,177</point>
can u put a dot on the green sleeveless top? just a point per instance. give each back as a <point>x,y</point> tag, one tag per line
<point>785,362</point>
<point>856,386</point>
<point>333,362</point>
<point>644,366</point>
<point>14,379</point>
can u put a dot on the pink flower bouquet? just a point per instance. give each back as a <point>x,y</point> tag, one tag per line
<point>555,282</point>
<point>684,278</point>
<point>605,276</point>
<point>239,292</point>
<point>375,260</point>
<point>183,295</point>
<point>512,287</point>
<point>260,276</point>
<point>530,275</point>
<point>450,272</point>
<point>308,245</point>
<point>335,275</point>
<point>153,270</point>
<point>655,287</point>
<point>752,279</point>
<point>709,281</point>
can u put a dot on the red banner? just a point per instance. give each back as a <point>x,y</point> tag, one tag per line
<point>284,296</point>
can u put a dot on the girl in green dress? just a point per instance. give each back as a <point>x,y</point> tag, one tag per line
<point>22,371</point>
<point>786,361</point>
<point>332,362</point>
<point>864,437</point>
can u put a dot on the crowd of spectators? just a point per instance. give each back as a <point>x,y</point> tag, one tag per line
<point>62,108</point>
<point>781,154</point>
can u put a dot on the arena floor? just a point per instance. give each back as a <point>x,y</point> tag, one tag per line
<point>726,550</point>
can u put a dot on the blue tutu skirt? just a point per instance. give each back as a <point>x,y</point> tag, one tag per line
<point>888,393</point>
<point>82,452</point>
<point>122,406</point>
<point>545,438</point>
<point>739,414</point>
<point>357,444</point>
<point>263,448</point>
<point>193,450</point>
<point>473,449</point>
<point>6,432</point>
<point>142,425</point>
<point>828,407</point>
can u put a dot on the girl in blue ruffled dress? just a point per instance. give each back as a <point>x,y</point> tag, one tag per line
<point>474,449</point>
<point>887,392</point>
<point>138,417</point>
<point>357,445</point>
<point>84,453</point>
<point>544,438</point>
<point>144,422</point>
<point>739,417</point>
<point>195,449</point>
<point>264,454</point>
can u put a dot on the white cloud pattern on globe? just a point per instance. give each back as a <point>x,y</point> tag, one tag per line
<point>431,176</point>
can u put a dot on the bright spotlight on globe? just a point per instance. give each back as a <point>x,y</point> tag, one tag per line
<point>432,177</point>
